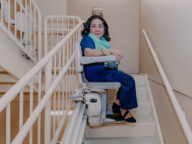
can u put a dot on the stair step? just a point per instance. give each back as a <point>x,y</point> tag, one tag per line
<point>142,94</point>
<point>4,88</point>
<point>145,126</point>
<point>10,59</point>
<point>143,108</point>
<point>131,140</point>
<point>5,77</point>
<point>139,79</point>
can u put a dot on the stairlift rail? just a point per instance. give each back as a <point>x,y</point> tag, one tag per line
<point>57,71</point>
<point>76,126</point>
<point>178,110</point>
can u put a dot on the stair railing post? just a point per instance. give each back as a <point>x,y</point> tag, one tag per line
<point>48,78</point>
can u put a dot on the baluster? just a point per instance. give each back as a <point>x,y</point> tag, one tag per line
<point>21,110</point>
<point>39,99</point>
<point>2,12</point>
<point>46,37</point>
<point>48,79</point>
<point>52,29</point>
<point>9,16</point>
<point>26,24</point>
<point>15,12</point>
<point>8,124</point>
<point>30,23</point>
<point>19,24</point>
<point>34,33</point>
<point>54,111</point>
<point>31,110</point>
<point>39,36</point>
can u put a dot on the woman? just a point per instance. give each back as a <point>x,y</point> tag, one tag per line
<point>95,43</point>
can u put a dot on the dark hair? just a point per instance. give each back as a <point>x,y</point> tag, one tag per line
<point>86,29</point>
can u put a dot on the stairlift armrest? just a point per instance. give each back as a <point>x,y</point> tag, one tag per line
<point>89,60</point>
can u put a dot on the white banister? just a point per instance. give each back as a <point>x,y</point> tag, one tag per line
<point>48,79</point>
<point>27,126</point>
<point>48,86</point>
<point>21,22</point>
<point>10,94</point>
<point>182,119</point>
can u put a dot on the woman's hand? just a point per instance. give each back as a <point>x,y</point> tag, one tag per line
<point>117,53</point>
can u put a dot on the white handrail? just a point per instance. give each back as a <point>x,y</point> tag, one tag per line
<point>61,56</point>
<point>182,119</point>
<point>11,94</point>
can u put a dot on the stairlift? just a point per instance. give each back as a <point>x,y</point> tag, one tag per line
<point>94,94</point>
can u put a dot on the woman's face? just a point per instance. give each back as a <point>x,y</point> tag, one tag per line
<point>97,28</point>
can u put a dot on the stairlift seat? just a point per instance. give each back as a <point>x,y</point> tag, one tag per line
<point>81,61</point>
<point>99,100</point>
<point>103,85</point>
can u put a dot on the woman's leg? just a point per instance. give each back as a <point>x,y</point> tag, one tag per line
<point>127,91</point>
<point>126,96</point>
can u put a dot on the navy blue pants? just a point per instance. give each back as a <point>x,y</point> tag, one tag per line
<point>127,91</point>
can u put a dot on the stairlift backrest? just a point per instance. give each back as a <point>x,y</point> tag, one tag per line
<point>79,67</point>
<point>78,56</point>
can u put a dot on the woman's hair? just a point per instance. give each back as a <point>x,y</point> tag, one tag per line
<point>86,29</point>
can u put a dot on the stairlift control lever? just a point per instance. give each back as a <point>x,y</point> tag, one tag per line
<point>77,95</point>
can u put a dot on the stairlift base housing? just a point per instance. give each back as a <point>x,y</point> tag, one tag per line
<point>96,107</point>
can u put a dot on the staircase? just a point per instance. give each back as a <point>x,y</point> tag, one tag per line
<point>20,36</point>
<point>49,85</point>
<point>145,131</point>
<point>10,58</point>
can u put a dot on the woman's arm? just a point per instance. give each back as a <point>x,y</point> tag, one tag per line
<point>97,52</point>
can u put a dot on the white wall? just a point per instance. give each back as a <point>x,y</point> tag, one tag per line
<point>168,24</point>
<point>122,17</point>
<point>52,7</point>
